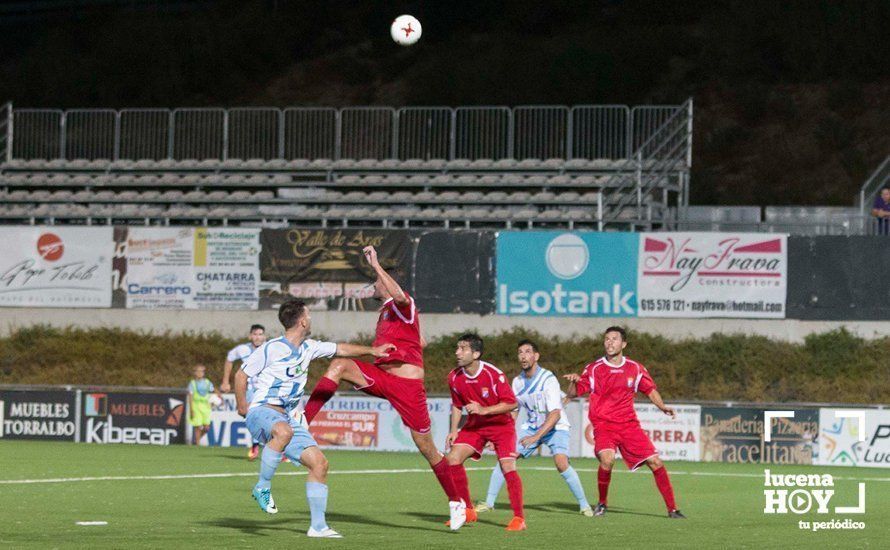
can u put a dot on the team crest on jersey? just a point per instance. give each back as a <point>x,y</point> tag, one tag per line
<point>484,392</point>
<point>630,382</point>
<point>386,316</point>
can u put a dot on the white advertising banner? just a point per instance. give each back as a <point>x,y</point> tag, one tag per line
<point>712,275</point>
<point>192,268</point>
<point>227,268</point>
<point>840,438</point>
<point>675,439</point>
<point>55,266</point>
<point>159,267</point>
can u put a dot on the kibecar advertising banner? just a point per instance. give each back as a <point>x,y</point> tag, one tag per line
<point>326,267</point>
<point>712,275</point>
<point>854,437</point>
<point>566,274</point>
<point>138,418</point>
<point>49,415</point>
<point>736,435</point>
<point>190,268</point>
<point>56,266</point>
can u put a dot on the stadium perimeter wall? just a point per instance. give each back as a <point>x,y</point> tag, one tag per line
<point>806,433</point>
<point>342,325</point>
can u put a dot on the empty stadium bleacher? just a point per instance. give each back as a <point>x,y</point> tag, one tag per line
<point>630,191</point>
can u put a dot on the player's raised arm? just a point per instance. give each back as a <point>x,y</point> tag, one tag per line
<point>392,287</point>
<point>356,350</point>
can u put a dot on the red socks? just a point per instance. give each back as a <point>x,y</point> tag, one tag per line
<point>514,488</point>
<point>323,391</point>
<point>664,486</point>
<point>443,474</point>
<point>603,477</point>
<point>461,483</point>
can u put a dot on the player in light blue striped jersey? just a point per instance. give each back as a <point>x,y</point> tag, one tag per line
<point>280,368</point>
<point>538,395</point>
<point>240,353</point>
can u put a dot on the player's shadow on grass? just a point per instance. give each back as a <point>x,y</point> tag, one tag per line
<point>254,527</point>
<point>339,518</point>
<point>554,507</point>
<point>439,519</point>
<point>633,512</point>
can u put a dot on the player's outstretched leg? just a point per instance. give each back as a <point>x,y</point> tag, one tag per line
<point>604,477</point>
<point>573,481</point>
<point>340,369</point>
<point>663,482</point>
<point>269,461</point>
<point>514,489</point>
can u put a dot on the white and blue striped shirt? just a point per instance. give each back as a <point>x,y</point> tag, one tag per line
<point>240,353</point>
<point>281,369</point>
<point>537,396</point>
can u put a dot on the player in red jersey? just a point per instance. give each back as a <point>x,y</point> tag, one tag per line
<point>398,378</point>
<point>612,381</point>
<point>488,398</point>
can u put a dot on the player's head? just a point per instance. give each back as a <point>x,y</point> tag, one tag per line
<point>614,340</point>
<point>528,354</point>
<point>199,371</point>
<point>294,314</point>
<point>257,335</point>
<point>469,349</point>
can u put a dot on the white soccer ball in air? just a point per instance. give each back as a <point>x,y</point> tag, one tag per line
<point>215,400</point>
<point>405,30</point>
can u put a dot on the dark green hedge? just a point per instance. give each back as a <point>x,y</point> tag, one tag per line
<point>831,367</point>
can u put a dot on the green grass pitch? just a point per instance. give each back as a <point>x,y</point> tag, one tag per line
<point>386,509</point>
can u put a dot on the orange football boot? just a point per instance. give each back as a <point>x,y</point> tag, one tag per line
<point>516,524</point>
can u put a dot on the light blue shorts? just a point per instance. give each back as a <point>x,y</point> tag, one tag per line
<point>556,440</point>
<point>260,421</point>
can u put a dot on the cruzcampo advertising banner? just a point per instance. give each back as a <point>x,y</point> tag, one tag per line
<point>567,274</point>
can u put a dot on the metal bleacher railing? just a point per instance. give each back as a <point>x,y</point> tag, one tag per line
<point>494,132</point>
<point>873,185</point>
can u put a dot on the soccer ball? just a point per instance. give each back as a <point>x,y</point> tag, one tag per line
<point>215,400</point>
<point>405,30</point>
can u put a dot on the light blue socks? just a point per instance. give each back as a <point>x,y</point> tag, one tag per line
<point>317,495</point>
<point>574,482</point>
<point>269,460</point>
<point>495,484</point>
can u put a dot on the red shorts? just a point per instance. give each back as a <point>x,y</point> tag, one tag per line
<point>627,437</point>
<point>407,396</point>
<point>502,436</point>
